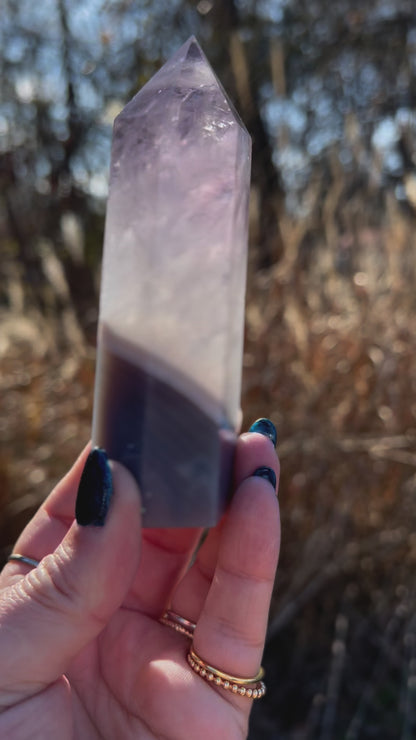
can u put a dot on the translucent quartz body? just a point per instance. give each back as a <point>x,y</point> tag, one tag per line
<point>167,397</point>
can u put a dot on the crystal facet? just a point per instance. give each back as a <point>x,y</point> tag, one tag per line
<point>167,397</point>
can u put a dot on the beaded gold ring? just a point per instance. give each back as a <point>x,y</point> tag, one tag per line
<point>252,688</point>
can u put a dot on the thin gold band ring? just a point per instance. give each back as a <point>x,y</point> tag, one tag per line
<point>178,623</point>
<point>226,676</point>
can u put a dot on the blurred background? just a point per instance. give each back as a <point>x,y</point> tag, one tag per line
<point>328,93</point>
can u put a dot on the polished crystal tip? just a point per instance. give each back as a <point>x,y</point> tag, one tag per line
<point>176,231</point>
<point>170,342</point>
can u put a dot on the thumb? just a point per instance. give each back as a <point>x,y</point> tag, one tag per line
<point>48,616</point>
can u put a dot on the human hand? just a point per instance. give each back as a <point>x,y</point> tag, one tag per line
<point>82,651</point>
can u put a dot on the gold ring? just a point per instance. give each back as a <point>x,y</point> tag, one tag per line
<point>178,623</point>
<point>252,688</point>
<point>23,559</point>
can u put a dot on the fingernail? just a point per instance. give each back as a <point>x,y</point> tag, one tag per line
<point>95,490</point>
<point>265,427</point>
<point>267,474</point>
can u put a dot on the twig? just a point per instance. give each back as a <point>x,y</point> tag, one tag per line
<point>343,563</point>
<point>409,699</point>
<point>368,693</point>
<point>289,611</point>
<point>335,677</point>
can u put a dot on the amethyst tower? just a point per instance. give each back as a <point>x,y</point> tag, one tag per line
<point>170,338</point>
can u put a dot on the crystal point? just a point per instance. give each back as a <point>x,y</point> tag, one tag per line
<point>194,51</point>
<point>167,398</point>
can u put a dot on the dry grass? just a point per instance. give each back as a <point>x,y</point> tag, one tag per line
<point>330,357</point>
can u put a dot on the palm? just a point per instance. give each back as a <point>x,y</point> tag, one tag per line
<point>133,680</point>
<point>124,699</point>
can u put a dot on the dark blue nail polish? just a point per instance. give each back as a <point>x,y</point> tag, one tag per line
<point>95,490</point>
<point>267,474</point>
<point>265,427</point>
